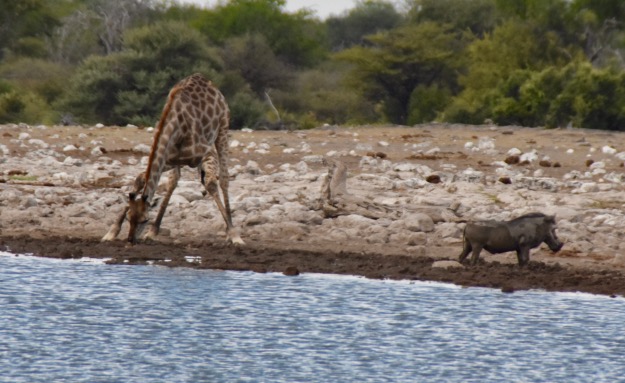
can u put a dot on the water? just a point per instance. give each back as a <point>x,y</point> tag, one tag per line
<point>67,321</point>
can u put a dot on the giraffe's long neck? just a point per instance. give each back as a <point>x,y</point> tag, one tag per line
<point>158,153</point>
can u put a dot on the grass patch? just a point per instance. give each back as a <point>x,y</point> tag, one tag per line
<point>23,178</point>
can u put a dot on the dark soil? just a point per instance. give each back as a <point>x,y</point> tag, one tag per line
<point>262,258</point>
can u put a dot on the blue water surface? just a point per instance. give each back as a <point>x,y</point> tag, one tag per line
<point>78,321</point>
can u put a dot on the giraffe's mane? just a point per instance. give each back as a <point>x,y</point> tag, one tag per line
<point>159,131</point>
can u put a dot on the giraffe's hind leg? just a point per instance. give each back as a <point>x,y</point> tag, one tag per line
<point>210,166</point>
<point>116,227</point>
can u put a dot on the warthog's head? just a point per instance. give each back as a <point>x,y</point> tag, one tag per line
<point>551,238</point>
<point>137,216</point>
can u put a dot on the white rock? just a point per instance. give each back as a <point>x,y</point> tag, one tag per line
<point>23,136</point>
<point>608,150</point>
<point>514,152</point>
<point>419,222</point>
<point>486,143</point>
<point>252,168</point>
<point>39,143</point>
<point>405,167</point>
<point>190,193</point>
<point>70,161</point>
<point>234,144</point>
<point>142,148</point>
<point>99,126</point>
<point>529,156</point>
<point>598,164</point>
<point>315,159</point>
<point>69,148</point>
<point>288,150</point>
<point>383,143</point>
<point>447,265</point>
<point>301,167</point>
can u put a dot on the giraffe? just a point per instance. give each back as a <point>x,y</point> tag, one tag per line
<point>192,131</point>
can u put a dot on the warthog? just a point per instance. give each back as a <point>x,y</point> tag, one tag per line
<point>520,234</point>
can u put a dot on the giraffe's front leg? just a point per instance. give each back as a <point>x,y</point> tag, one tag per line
<point>171,185</point>
<point>116,227</point>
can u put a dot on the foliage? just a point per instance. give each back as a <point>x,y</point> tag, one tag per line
<point>528,62</point>
<point>496,61</point>
<point>576,94</point>
<point>426,102</point>
<point>252,58</point>
<point>130,86</point>
<point>24,23</point>
<point>477,16</point>
<point>402,59</point>
<point>366,18</point>
<point>319,96</point>
<point>245,110</point>
<point>294,38</point>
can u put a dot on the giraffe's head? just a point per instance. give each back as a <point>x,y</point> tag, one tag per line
<point>137,216</point>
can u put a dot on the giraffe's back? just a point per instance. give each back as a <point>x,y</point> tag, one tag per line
<point>198,119</point>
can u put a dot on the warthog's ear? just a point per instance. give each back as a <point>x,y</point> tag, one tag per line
<point>132,196</point>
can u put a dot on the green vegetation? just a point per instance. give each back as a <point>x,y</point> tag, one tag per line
<point>545,63</point>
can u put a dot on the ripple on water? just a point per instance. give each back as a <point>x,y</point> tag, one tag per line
<point>91,322</point>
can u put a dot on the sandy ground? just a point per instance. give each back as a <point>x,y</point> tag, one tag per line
<point>564,271</point>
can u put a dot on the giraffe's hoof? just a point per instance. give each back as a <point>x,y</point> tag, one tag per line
<point>236,241</point>
<point>108,237</point>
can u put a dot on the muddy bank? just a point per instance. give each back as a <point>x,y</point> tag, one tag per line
<point>262,258</point>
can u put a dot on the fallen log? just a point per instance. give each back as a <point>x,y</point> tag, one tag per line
<point>336,201</point>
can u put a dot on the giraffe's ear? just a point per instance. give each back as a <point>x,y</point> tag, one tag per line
<point>132,196</point>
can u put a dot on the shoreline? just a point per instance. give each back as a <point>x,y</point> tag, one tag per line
<point>260,258</point>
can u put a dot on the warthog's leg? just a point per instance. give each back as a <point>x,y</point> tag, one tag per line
<point>477,249</point>
<point>523,255</point>
<point>466,249</point>
<point>171,185</point>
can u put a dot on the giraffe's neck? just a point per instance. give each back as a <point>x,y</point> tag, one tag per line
<point>160,148</point>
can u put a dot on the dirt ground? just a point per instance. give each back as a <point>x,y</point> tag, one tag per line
<point>545,271</point>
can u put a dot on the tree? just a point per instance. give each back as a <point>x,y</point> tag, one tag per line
<point>399,60</point>
<point>252,58</point>
<point>131,85</point>
<point>477,16</point>
<point>24,24</point>
<point>294,38</point>
<point>512,47</point>
<point>366,18</point>
<point>576,94</point>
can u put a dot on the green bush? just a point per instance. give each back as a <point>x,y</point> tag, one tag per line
<point>245,110</point>
<point>578,94</point>
<point>426,102</point>
<point>132,85</point>
<point>25,107</point>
